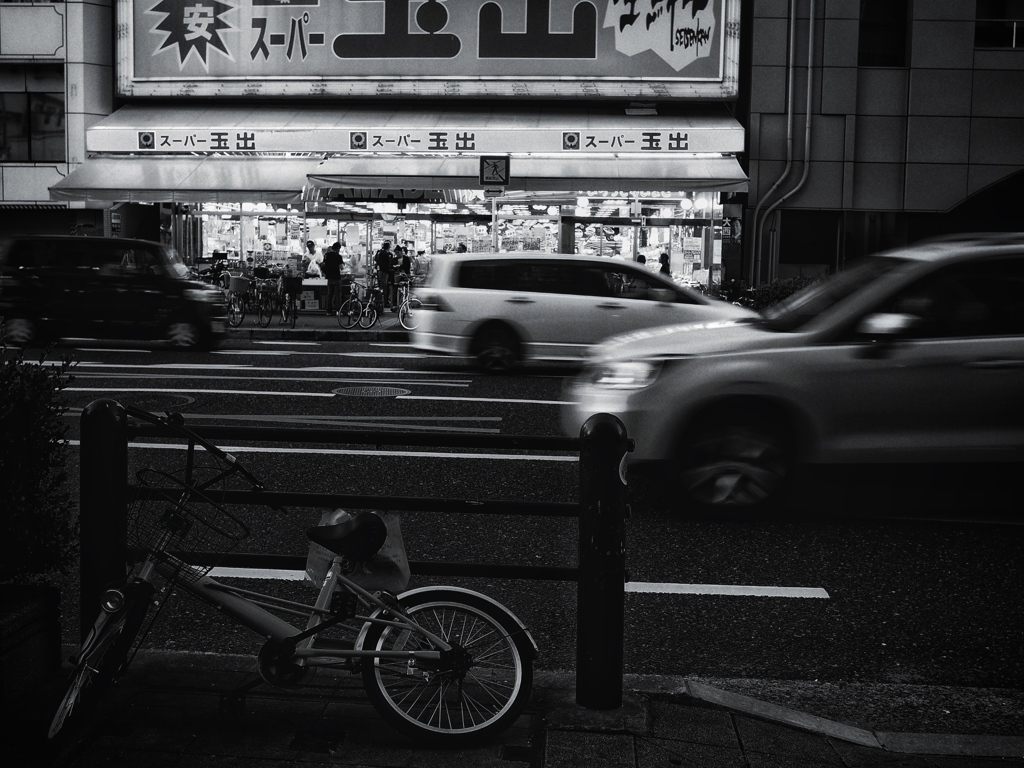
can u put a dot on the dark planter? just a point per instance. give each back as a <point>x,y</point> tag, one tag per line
<point>30,643</point>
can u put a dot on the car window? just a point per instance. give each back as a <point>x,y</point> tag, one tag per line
<point>803,306</point>
<point>980,298</point>
<point>549,276</point>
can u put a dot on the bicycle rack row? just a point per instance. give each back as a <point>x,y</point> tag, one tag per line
<point>600,573</point>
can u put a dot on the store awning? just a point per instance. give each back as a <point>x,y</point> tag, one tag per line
<point>265,152</point>
<point>187,179</point>
<point>535,173</point>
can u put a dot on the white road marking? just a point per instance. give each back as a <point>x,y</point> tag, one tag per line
<point>307,379</point>
<point>293,343</point>
<point>223,572</point>
<point>262,352</point>
<point>731,590</point>
<point>201,391</point>
<point>482,400</point>
<point>345,452</point>
<point>738,590</point>
<point>276,369</point>
<point>102,349</point>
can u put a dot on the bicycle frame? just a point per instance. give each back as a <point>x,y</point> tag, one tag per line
<point>253,610</point>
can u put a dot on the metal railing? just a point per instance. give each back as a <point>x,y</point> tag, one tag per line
<point>600,574</point>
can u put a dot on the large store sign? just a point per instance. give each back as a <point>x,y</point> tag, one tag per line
<point>450,48</point>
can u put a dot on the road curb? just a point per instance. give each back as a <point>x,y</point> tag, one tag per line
<point>904,743</point>
<point>315,334</point>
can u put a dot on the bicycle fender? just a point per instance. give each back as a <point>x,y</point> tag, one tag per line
<point>517,628</point>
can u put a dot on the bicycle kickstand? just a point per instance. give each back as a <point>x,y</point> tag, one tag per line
<point>233,702</point>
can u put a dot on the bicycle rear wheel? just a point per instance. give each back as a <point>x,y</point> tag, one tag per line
<point>104,654</point>
<point>475,692</point>
<point>350,312</point>
<point>407,313</point>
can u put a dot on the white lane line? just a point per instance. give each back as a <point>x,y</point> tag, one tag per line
<point>364,371</point>
<point>731,590</point>
<point>482,400</point>
<point>659,588</point>
<point>291,343</point>
<point>343,452</point>
<point>102,349</point>
<point>223,572</point>
<point>200,391</point>
<point>307,379</point>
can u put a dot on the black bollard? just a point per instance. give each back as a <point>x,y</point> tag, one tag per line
<point>602,562</point>
<point>103,488</point>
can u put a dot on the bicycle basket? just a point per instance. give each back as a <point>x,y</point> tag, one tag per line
<point>238,284</point>
<point>175,522</point>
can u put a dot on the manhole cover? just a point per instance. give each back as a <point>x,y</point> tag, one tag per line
<point>371,391</point>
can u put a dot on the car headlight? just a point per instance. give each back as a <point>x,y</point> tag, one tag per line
<point>201,294</point>
<point>625,374</point>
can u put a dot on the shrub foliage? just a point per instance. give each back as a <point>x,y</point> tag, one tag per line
<point>38,520</point>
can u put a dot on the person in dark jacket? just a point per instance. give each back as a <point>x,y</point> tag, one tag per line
<point>330,267</point>
<point>384,261</point>
<point>665,269</point>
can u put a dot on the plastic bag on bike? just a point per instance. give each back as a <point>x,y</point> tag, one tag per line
<point>388,570</point>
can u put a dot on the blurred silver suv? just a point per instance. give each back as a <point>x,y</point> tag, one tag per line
<point>914,355</point>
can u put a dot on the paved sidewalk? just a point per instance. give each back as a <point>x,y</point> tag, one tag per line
<point>178,710</point>
<point>313,325</point>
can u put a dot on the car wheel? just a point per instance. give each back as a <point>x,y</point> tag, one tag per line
<point>742,464</point>
<point>184,334</point>
<point>496,349</point>
<point>19,331</point>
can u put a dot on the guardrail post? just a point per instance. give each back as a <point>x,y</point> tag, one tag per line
<point>602,563</point>
<point>103,501</point>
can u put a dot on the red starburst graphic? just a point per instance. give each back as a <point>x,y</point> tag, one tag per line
<point>192,25</point>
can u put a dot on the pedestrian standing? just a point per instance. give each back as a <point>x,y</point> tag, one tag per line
<point>331,269</point>
<point>665,269</point>
<point>384,262</point>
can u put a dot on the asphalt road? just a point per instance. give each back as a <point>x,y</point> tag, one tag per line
<point>882,575</point>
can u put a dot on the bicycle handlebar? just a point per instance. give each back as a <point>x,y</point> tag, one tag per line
<point>177,422</point>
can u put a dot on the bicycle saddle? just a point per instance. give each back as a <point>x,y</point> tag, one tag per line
<point>358,538</point>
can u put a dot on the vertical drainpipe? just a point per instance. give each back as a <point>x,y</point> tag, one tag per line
<point>755,266</point>
<point>772,265</point>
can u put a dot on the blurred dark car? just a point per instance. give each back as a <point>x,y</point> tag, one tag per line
<point>54,287</point>
<point>915,356</point>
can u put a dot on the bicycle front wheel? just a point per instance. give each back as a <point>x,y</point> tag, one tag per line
<point>368,317</point>
<point>236,310</point>
<point>473,693</point>
<point>266,310</point>
<point>407,313</point>
<point>349,314</point>
<point>103,656</point>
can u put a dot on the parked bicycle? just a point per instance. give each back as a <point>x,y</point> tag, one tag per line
<point>408,304</point>
<point>267,301</point>
<point>238,300</point>
<point>445,665</point>
<point>288,291</point>
<point>364,307</point>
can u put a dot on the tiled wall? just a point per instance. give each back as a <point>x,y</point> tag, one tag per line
<point>76,32</point>
<point>921,138</point>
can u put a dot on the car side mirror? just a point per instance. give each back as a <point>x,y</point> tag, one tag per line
<point>887,324</point>
<point>665,295</point>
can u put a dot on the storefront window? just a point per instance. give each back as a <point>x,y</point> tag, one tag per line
<point>32,119</point>
<point>1000,24</point>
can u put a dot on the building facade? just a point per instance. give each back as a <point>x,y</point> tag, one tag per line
<point>751,140</point>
